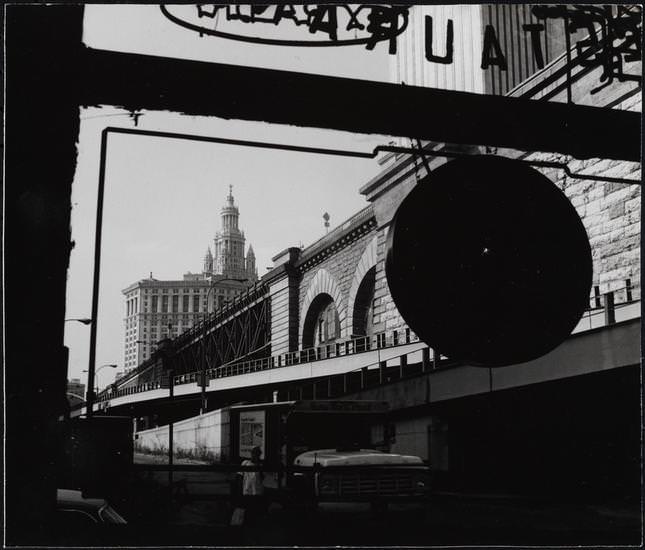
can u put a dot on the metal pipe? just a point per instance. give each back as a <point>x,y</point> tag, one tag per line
<point>97,270</point>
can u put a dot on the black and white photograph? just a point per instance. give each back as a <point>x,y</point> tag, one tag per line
<point>322,275</point>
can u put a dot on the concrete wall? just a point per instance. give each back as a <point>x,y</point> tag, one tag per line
<point>204,436</point>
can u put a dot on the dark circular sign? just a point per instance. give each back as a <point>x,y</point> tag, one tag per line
<point>488,261</point>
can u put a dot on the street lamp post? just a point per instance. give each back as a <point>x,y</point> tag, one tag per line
<point>89,394</point>
<point>84,321</point>
<point>91,382</point>
<point>203,375</point>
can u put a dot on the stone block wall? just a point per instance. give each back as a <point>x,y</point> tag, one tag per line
<point>334,275</point>
<point>609,211</point>
<point>386,315</point>
<point>284,315</point>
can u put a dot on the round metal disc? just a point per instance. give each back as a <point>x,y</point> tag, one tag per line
<point>488,261</point>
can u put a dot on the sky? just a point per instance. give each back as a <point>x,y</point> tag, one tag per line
<point>163,197</point>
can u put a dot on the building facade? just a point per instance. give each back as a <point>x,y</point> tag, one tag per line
<point>156,309</point>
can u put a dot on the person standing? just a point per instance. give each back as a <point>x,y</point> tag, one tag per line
<point>253,481</point>
<point>252,492</point>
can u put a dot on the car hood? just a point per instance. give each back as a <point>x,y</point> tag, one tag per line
<point>72,498</point>
<point>332,457</point>
<point>98,508</point>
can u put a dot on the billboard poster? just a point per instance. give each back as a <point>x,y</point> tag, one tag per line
<point>252,430</point>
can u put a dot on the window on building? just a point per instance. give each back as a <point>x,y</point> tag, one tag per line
<point>175,304</point>
<point>195,303</point>
<point>155,303</point>
<point>184,303</point>
<point>164,304</point>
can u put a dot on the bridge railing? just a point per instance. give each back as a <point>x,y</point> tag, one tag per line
<point>609,307</point>
<point>318,353</point>
<point>601,312</point>
<point>605,310</point>
<point>343,348</point>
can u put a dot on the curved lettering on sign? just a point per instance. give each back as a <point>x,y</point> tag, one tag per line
<point>366,24</point>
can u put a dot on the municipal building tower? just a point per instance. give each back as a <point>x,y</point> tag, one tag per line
<point>228,257</point>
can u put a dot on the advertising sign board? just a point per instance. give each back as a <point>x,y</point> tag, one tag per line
<point>252,432</point>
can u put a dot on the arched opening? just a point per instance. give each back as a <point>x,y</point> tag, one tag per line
<point>363,314</point>
<point>322,324</point>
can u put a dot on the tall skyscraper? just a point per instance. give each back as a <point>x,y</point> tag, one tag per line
<point>157,309</point>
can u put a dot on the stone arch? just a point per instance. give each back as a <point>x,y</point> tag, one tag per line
<point>323,283</point>
<point>322,322</point>
<point>363,269</point>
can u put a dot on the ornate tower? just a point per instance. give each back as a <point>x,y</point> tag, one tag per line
<point>251,270</point>
<point>228,259</point>
<point>208,261</point>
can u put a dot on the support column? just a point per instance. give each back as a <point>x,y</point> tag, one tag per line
<point>283,289</point>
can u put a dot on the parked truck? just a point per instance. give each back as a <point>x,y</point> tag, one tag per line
<point>316,451</point>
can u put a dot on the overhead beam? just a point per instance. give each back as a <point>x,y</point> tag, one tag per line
<point>135,82</point>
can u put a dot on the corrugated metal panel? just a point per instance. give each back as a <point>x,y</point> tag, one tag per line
<point>508,21</point>
<point>463,74</point>
<point>469,23</point>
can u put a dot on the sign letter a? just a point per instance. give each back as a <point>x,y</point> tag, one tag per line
<point>491,52</point>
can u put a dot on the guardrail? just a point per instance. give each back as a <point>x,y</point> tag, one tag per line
<point>605,308</point>
<point>329,351</point>
<point>607,304</point>
<point>318,353</point>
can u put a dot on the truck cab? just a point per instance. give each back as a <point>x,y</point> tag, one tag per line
<point>317,451</point>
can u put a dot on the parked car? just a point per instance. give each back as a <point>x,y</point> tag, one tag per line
<point>75,511</point>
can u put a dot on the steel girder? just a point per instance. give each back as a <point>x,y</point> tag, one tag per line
<point>247,334</point>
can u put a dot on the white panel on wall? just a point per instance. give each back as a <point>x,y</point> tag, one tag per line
<point>464,73</point>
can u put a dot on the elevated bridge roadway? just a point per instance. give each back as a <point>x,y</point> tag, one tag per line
<point>603,339</point>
